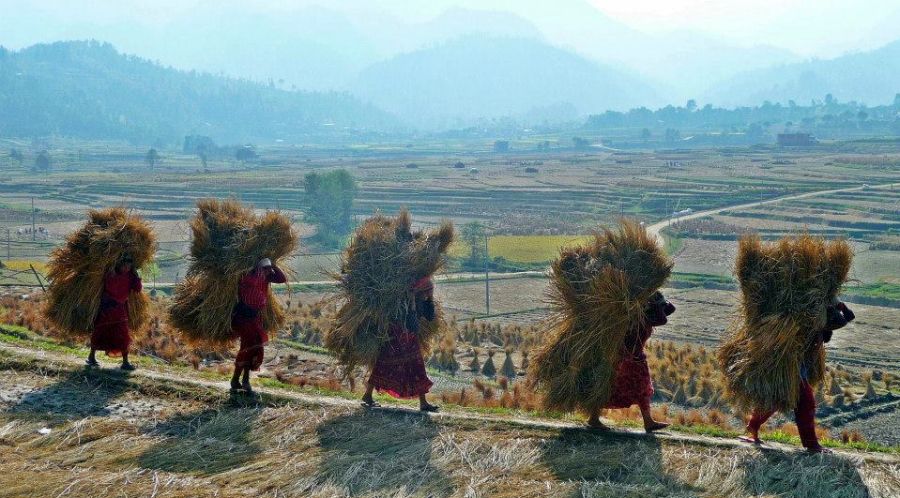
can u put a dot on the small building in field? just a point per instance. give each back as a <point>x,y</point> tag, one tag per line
<point>796,139</point>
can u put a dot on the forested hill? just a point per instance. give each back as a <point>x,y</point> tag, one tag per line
<point>872,77</point>
<point>88,89</point>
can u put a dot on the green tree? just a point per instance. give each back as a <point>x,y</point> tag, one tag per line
<point>755,131</point>
<point>151,158</point>
<point>501,146</point>
<point>42,161</point>
<point>329,200</point>
<point>150,272</point>
<point>16,155</point>
<point>245,153</point>
<point>473,235</point>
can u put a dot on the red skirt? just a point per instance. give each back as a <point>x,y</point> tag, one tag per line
<point>111,332</point>
<point>632,385</point>
<point>400,368</point>
<point>253,338</point>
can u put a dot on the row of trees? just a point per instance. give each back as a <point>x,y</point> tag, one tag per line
<point>41,162</point>
<point>829,112</point>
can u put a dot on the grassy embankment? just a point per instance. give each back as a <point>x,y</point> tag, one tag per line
<point>79,433</point>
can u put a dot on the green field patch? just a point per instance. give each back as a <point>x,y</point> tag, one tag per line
<point>523,248</point>
<point>878,294</point>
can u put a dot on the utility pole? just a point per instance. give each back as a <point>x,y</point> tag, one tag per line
<point>32,220</point>
<point>487,279</point>
<point>8,242</point>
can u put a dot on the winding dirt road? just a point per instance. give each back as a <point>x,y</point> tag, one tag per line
<point>655,228</point>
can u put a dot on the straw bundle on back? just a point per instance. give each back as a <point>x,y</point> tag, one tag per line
<point>382,261</point>
<point>228,241</point>
<point>77,269</point>
<point>598,293</point>
<point>785,289</point>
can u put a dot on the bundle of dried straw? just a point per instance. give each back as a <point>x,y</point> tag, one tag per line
<point>599,293</point>
<point>785,289</point>
<point>382,261</point>
<point>76,270</point>
<point>228,241</point>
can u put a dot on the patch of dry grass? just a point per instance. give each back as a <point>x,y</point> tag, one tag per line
<point>210,445</point>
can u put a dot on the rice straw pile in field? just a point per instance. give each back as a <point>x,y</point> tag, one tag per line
<point>598,293</point>
<point>785,288</point>
<point>76,269</point>
<point>382,261</point>
<point>228,241</point>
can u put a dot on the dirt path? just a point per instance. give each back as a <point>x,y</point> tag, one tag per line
<point>655,228</point>
<point>524,422</point>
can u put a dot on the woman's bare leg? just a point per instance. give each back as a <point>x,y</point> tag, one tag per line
<point>92,358</point>
<point>245,383</point>
<point>650,425</point>
<point>594,421</point>
<point>425,406</point>
<point>126,365</point>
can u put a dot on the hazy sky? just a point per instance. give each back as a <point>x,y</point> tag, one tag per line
<point>808,27</point>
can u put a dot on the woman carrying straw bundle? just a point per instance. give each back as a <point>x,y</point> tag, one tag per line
<point>388,316</point>
<point>247,320</point>
<point>789,307</point>
<point>605,299</point>
<point>94,287</point>
<point>400,367</point>
<point>227,294</point>
<point>111,333</point>
<point>632,384</point>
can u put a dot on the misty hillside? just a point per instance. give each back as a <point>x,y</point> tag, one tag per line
<point>89,90</point>
<point>872,77</point>
<point>686,63</point>
<point>480,76</point>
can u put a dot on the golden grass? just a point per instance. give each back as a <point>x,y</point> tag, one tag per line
<point>201,443</point>
<point>77,269</point>
<point>228,240</point>
<point>785,288</point>
<point>384,258</point>
<point>599,293</point>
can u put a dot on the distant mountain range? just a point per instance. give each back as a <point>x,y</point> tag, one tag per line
<point>88,89</point>
<point>566,60</point>
<point>871,77</point>
<point>478,76</point>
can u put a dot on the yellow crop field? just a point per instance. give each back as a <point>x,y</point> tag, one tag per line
<point>22,265</point>
<point>523,248</point>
